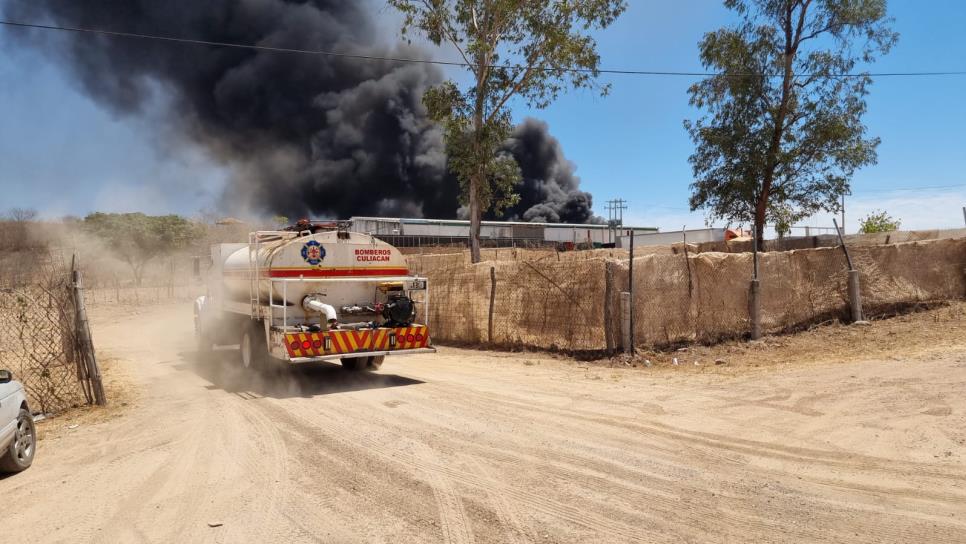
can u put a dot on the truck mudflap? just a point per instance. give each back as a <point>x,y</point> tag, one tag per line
<point>364,342</point>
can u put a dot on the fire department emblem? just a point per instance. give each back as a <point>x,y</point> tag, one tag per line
<point>313,252</point>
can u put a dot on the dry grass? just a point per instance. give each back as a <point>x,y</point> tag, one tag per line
<point>122,391</point>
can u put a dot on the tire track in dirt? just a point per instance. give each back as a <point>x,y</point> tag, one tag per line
<point>275,482</point>
<point>946,500</point>
<point>874,493</point>
<point>367,446</point>
<point>337,479</point>
<point>510,517</point>
<point>738,445</point>
<point>602,481</point>
<point>452,514</point>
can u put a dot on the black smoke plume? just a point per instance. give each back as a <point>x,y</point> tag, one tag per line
<point>550,191</point>
<point>304,135</point>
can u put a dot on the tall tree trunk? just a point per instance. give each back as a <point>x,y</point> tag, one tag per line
<point>475,221</point>
<point>793,33</point>
<point>477,181</point>
<point>761,208</point>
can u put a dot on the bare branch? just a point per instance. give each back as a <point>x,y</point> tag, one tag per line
<point>531,67</point>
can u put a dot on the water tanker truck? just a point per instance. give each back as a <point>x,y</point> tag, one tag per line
<point>313,292</point>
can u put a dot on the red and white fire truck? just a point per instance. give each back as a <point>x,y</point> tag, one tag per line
<point>315,292</point>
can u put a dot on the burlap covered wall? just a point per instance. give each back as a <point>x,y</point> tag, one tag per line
<point>678,299</point>
<point>459,300</point>
<point>801,287</point>
<point>831,240</point>
<point>551,305</point>
<point>544,302</point>
<point>911,272</point>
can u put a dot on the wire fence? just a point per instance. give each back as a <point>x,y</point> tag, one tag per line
<point>39,343</point>
<point>572,302</point>
<point>109,296</point>
<point>40,327</point>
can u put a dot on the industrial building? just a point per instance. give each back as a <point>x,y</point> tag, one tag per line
<point>693,236</point>
<point>420,232</point>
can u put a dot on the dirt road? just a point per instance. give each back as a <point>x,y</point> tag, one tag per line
<point>467,446</point>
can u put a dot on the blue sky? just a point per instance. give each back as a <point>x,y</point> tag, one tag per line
<point>62,154</point>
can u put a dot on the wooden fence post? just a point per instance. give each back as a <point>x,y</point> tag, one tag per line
<point>855,292</point>
<point>626,326</point>
<point>489,324</point>
<point>86,345</point>
<point>609,306</point>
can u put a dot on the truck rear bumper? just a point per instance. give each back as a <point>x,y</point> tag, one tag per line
<point>338,356</point>
<point>338,343</point>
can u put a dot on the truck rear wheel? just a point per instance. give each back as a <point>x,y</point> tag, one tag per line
<point>202,339</point>
<point>205,345</point>
<point>375,362</point>
<point>254,351</point>
<point>356,364</point>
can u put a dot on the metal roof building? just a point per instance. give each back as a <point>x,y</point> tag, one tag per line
<point>401,231</point>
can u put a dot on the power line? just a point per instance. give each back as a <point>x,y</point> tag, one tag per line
<point>356,56</point>
<point>893,189</point>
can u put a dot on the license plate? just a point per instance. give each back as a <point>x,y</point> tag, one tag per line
<point>417,285</point>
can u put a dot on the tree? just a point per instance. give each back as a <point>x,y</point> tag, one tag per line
<point>22,215</point>
<point>785,218</point>
<point>137,238</point>
<point>15,230</point>
<point>512,48</point>
<point>878,221</point>
<point>784,125</point>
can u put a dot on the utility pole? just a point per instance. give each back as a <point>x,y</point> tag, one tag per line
<point>615,216</point>
<point>630,290</point>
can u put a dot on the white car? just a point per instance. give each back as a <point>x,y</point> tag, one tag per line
<point>18,439</point>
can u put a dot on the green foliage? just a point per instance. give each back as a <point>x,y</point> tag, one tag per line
<point>530,50</point>
<point>783,133</point>
<point>281,221</point>
<point>784,217</point>
<point>878,221</point>
<point>137,238</point>
<point>472,152</point>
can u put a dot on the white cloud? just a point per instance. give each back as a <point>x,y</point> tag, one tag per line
<point>920,209</point>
